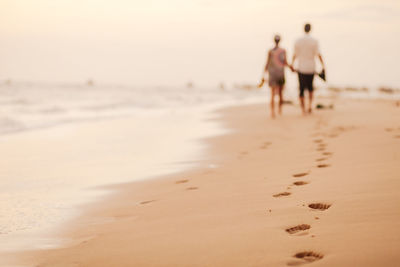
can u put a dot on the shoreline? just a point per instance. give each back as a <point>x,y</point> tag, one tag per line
<point>271,193</point>
<point>50,174</point>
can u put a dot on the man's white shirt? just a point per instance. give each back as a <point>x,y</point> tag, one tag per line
<point>306,49</point>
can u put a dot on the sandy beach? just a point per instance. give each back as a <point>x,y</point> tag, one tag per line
<point>142,133</point>
<point>321,189</point>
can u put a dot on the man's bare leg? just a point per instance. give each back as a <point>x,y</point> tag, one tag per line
<point>310,97</point>
<point>303,108</point>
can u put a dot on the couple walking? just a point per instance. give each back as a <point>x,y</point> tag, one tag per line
<point>305,52</point>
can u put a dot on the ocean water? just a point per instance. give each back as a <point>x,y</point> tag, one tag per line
<point>27,106</point>
<point>37,195</point>
<point>42,186</point>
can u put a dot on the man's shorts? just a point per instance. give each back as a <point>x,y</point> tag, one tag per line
<point>306,83</point>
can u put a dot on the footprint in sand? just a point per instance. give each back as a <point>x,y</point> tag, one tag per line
<point>319,206</point>
<point>389,129</point>
<point>192,188</point>
<point>397,136</point>
<point>321,159</point>
<point>181,181</point>
<point>327,153</point>
<point>318,141</point>
<point>298,183</point>
<point>146,202</point>
<point>300,174</point>
<point>298,228</point>
<point>242,154</point>
<point>323,165</point>
<point>305,257</point>
<point>283,194</point>
<point>321,149</point>
<point>265,145</point>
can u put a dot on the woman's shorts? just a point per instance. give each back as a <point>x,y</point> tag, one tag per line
<point>275,80</point>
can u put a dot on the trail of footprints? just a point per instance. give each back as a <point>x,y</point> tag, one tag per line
<point>306,256</point>
<point>301,229</point>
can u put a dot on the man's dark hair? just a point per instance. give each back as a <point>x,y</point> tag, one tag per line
<point>307,27</point>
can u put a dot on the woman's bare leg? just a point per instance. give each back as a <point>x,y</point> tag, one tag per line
<point>272,102</point>
<point>280,90</point>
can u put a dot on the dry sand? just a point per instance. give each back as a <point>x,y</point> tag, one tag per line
<point>324,188</point>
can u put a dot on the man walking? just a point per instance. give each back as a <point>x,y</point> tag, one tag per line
<point>305,51</point>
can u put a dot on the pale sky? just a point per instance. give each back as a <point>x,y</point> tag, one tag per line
<point>169,42</point>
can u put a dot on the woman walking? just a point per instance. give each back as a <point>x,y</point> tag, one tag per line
<point>275,69</point>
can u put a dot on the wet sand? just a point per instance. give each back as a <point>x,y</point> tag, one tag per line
<point>322,189</point>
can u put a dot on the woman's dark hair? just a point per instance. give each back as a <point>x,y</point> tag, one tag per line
<point>277,39</point>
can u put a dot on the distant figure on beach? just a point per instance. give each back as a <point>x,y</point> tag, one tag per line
<point>306,49</point>
<point>275,69</point>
